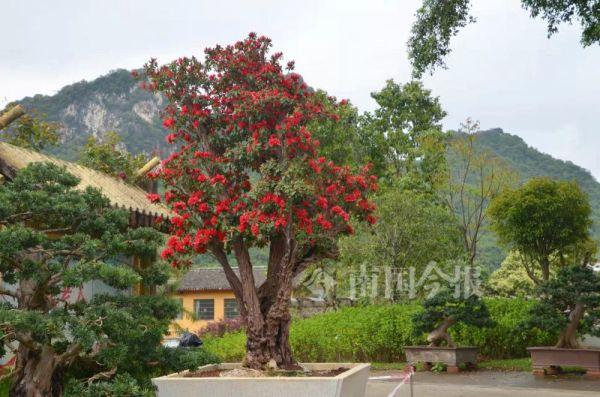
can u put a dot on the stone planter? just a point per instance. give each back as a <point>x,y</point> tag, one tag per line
<point>351,383</point>
<point>549,360</point>
<point>451,356</point>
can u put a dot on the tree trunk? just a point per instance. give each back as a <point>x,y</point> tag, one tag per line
<point>545,265</point>
<point>568,338</point>
<point>270,347</point>
<point>440,334</point>
<point>35,374</point>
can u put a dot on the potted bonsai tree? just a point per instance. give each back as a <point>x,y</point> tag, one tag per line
<point>245,172</point>
<point>570,306</point>
<point>440,313</point>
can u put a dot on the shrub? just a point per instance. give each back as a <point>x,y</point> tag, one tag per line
<point>221,327</point>
<point>379,334</point>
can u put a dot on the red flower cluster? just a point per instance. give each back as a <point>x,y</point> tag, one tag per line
<point>246,162</point>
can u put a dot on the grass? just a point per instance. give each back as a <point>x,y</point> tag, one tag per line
<point>513,364</point>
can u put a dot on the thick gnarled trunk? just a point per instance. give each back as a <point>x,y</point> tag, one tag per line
<point>270,347</point>
<point>568,338</point>
<point>440,334</point>
<point>35,374</point>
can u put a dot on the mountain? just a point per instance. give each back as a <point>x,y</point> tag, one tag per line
<point>113,102</point>
<point>529,163</point>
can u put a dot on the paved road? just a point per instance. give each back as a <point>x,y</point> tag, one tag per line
<point>486,384</point>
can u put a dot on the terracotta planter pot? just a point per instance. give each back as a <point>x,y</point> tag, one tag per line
<point>351,383</point>
<point>549,360</point>
<point>451,356</point>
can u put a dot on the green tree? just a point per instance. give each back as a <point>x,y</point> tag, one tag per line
<point>108,155</point>
<point>541,219</point>
<point>439,20</point>
<point>55,238</point>
<point>570,303</point>
<point>444,310</point>
<point>403,136</point>
<point>511,278</point>
<point>412,230</point>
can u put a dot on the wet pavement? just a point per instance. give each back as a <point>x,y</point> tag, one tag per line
<point>485,383</point>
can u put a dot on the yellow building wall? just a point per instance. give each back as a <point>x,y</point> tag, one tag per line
<point>186,322</point>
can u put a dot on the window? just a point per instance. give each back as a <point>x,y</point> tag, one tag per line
<point>180,313</point>
<point>231,308</point>
<point>204,309</point>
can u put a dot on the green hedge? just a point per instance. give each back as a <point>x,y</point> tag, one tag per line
<point>378,334</point>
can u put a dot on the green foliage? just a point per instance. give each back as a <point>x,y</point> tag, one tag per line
<point>542,218</point>
<point>378,333</point>
<point>530,163</point>
<point>121,386</point>
<point>445,306</point>
<point>505,339</point>
<point>412,230</point>
<point>437,22</point>
<point>511,278</point>
<point>586,12</point>
<point>55,237</point>
<point>31,131</point>
<point>108,156</point>
<point>403,136</point>
<point>572,286</point>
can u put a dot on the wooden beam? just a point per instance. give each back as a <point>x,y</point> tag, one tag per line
<point>8,117</point>
<point>146,168</point>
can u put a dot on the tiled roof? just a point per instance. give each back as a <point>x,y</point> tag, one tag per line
<point>203,279</point>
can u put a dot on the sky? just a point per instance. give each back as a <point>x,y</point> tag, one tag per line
<point>503,70</point>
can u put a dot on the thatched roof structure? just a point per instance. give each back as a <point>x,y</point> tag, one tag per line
<point>120,193</point>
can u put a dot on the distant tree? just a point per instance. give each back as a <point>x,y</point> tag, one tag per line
<point>473,177</point>
<point>413,230</point>
<point>541,219</point>
<point>569,303</point>
<point>55,238</point>
<point>339,137</point>
<point>439,20</point>
<point>511,278</point>
<point>445,310</point>
<point>403,137</point>
<point>109,155</point>
<point>31,131</point>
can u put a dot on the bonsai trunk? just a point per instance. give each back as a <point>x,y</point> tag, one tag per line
<point>266,310</point>
<point>440,334</point>
<point>568,338</point>
<point>36,373</point>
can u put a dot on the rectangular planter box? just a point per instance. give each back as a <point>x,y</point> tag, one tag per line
<point>543,358</point>
<point>451,356</point>
<point>351,383</point>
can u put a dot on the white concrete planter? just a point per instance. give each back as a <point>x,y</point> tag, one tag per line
<point>351,383</point>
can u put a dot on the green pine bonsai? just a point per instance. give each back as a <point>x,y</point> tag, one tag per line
<point>444,310</point>
<point>569,305</point>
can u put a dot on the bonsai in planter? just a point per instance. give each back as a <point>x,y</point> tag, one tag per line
<point>246,173</point>
<point>570,306</point>
<point>441,312</point>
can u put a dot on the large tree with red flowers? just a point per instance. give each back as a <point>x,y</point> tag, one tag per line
<point>247,173</point>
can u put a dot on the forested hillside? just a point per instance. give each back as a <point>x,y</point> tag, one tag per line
<point>115,102</point>
<point>529,163</point>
